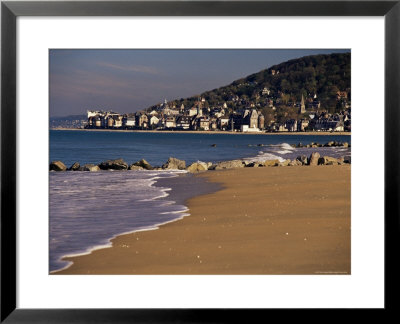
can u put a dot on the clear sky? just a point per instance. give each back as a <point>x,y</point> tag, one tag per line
<point>130,80</point>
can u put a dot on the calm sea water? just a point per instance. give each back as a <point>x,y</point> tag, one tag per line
<point>156,148</point>
<point>87,209</point>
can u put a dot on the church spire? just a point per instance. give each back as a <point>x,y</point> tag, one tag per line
<point>302,105</point>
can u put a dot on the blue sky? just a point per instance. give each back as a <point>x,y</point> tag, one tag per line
<point>130,80</point>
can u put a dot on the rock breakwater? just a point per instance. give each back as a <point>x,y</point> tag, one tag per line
<point>315,159</point>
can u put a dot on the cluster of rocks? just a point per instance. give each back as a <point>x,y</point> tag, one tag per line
<point>176,164</point>
<point>329,144</point>
<point>119,164</point>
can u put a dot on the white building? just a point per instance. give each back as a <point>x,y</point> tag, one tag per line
<point>193,111</point>
<point>247,129</point>
<point>93,113</point>
<point>130,122</point>
<point>154,120</point>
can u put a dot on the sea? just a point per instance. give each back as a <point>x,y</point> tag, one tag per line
<point>88,209</point>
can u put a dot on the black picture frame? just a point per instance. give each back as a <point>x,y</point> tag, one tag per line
<point>10,10</point>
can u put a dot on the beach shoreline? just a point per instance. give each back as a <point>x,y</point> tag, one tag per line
<point>275,220</point>
<point>201,132</point>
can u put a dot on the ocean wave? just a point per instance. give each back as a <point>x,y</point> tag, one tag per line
<point>89,208</point>
<point>264,156</point>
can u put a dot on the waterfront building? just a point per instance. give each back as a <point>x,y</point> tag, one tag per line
<point>223,122</point>
<point>154,120</point>
<point>170,122</point>
<point>142,120</point>
<point>302,124</point>
<point>291,125</point>
<point>204,123</point>
<point>183,122</point>
<point>129,121</point>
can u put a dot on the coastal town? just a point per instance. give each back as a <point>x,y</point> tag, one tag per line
<point>308,94</point>
<point>261,166</point>
<point>251,119</point>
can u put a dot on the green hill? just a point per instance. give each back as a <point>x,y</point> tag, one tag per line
<point>285,83</point>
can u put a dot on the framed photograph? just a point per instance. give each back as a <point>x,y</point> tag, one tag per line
<point>163,158</point>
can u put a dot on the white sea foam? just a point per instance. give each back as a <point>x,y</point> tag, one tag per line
<point>264,156</point>
<point>83,212</point>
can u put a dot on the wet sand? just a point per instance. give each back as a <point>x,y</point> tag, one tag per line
<point>273,220</point>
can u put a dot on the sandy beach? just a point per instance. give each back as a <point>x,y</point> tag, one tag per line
<point>274,220</point>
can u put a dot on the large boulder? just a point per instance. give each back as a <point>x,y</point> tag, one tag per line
<point>303,159</point>
<point>347,159</point>
<point>175,164</point>
<point>254,164</point>
<point>143,164</point>
<point>197,167</point>
<point>295,163</point>
<point>284,163</point>
<point>57,166</point>
<point>90,167</point>
<point>328,160</point>
<point>234,164</point>
<point>269,163</point>
<point>314,157</point>
<point>135,167</point>
<point>118,164</point>
<point>74,167</point>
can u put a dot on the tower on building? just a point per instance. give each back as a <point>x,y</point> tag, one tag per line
<point>302,105</point>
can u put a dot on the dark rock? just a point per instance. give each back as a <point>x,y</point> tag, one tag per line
<point>314,157</point>
<point>347,159</point>
<point>255,164</point>
<point>212,167</point>
<point>303,159</point>
<point>118,164</point>
<point>175,164</point>
<point>90,167</point>
<point>214,145</point>
<point>328,160</point>
<point>144,164</point>
<point>57,166</point>
<point>74,167</point>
